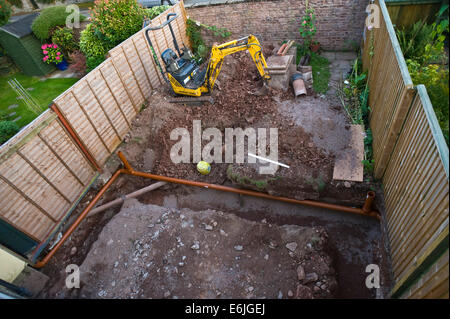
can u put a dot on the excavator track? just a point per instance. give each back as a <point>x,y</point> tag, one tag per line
<point>193,101</point>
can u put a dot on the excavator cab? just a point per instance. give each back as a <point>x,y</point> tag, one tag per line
<point>183,72</point>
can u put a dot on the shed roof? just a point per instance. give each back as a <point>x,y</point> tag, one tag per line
<point>21,27</point>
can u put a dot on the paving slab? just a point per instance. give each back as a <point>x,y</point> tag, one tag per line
<point>348,166</point>
<point>278,62</point>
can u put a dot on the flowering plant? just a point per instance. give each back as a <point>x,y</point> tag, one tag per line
<point>307,26</point>
<point>52,53</point>
<point>5,11</point>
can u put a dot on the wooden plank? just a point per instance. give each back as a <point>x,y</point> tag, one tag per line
<point>348,166</point>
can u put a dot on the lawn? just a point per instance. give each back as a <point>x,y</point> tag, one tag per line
<point>43,92</point>
<point>321,73</point>
<point>320,69</point>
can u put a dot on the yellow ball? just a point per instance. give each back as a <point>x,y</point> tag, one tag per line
<point>203,167</point>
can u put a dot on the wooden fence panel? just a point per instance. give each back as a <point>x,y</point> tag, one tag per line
<point>416,191</point>
<point>411,157</point>
<point>391,89</point>
<point>405,13</point>
<point>42,170</point>
<point>41,174</point>
<point>433,284</point>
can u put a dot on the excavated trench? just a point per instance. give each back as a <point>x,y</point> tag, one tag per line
<point>309,147</point>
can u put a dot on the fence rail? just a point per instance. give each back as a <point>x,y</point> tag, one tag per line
<point>45,168</point>
<point>411,158</point>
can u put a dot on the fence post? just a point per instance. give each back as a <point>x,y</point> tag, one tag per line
<point>74,136</point>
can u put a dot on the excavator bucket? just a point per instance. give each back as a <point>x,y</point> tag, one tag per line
<point>264,90</point>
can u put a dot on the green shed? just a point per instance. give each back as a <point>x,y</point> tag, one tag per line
<point>23,47</point>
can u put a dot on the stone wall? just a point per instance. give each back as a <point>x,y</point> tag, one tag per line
<point>339,22</point>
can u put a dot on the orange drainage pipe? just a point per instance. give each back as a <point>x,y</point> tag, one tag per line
<point>71,132</point>
<point>365,211</point>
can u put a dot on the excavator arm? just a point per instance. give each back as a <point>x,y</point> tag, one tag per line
<point>219,52</point>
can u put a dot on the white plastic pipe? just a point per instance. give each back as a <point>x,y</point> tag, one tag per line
<point>120,200</point>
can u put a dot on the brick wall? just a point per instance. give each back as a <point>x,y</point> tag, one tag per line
<point>339,22</point>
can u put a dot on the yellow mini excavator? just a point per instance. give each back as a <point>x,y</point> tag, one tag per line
<point>186,76</point>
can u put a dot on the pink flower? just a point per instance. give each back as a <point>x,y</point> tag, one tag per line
<point>58,53</point>
<point>45,58</point>
<point>54,46</point>
<point>45,51</point>
<point>44,47</point>
<point>304,21</point>
<point>58,57</point>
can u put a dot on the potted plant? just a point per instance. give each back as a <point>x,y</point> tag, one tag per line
<point>308,29</point>
<point>52,54</point>
<point>315,46</point>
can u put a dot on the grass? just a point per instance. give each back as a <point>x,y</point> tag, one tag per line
<point>321,73</point>
<point>320,67</point>
<point>44,92</point>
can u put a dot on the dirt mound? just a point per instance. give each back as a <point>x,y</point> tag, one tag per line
<point>148,251</point>
<point>235,107</point>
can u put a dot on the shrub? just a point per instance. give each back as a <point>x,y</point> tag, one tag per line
<point>48,19</point>
<point>193,31</point>
<point>153,12</point>
<point>436,81</point>
<point>5,12</point>
<point>7,130</point>
<point>78,63</point>
<point>424,42</point>
<point>423,46</point>
<point>65,39</point>
<point>91,45</point>
<point>92,62</point>
<point>114,21</point>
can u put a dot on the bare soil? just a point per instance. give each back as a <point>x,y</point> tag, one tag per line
<point>148,251</point>
<point>312,131</point>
